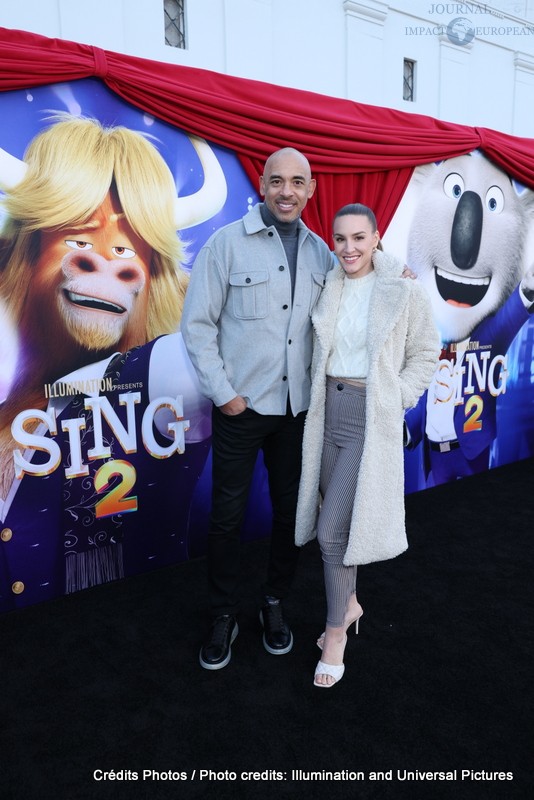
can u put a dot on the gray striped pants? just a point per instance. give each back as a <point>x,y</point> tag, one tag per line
<point>342,452</point>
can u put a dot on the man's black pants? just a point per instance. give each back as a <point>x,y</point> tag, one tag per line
<point>236,442</point>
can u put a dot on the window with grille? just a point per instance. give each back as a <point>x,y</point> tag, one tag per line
<point>175,23</point>
<point>408,92</point>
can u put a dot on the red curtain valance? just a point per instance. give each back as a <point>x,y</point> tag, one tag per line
<point>358,152</point>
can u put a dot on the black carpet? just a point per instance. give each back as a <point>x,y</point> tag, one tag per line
<point>439,679</point>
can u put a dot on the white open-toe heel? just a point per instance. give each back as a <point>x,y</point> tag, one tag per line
<point>335,671</point>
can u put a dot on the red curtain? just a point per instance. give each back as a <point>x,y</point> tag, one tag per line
<point>381,191</point>
<point>357,152</point>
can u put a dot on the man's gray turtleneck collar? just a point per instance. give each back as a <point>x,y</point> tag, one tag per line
<point>289,236</point>
<point>283,228</point>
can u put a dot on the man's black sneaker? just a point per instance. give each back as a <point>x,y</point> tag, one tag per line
<point>216,651</point>
<point>277,636</point>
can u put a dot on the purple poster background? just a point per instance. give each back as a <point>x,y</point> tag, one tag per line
<point>57,534</point>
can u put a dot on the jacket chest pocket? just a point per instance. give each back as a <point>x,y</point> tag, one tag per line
<point>249,294</point>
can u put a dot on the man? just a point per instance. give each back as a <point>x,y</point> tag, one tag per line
<point>246,326</point>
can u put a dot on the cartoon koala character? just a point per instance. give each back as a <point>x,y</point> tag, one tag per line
<point>467,244</point>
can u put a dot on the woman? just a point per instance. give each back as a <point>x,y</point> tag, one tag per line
<point>375,351</point>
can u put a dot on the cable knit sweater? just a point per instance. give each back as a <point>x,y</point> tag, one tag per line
<point>348,356</point>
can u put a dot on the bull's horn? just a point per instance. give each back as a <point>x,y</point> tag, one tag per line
<point>190,210</point>
<point>12,170</point>
<point>208,201</point>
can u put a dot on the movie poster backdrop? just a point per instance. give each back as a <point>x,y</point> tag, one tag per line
<point>108,471</point>
<point>467,229</point>
<point>106,460</point>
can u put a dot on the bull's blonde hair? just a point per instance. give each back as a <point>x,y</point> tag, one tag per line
<point>71,166</point>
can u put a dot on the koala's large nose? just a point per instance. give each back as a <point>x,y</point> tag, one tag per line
<point>467,231</point>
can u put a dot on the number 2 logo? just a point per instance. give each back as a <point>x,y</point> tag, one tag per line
<point>116,500</point>
<point>473,410</point>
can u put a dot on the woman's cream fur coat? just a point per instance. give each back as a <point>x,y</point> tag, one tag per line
<point>403,348</point>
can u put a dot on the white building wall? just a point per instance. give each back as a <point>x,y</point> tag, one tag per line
<point>341,48</point>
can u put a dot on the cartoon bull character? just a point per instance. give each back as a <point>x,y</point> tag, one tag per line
<point>467,243</point>
<point>91,279</point>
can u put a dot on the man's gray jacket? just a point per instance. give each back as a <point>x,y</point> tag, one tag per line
<point>244,334</point>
